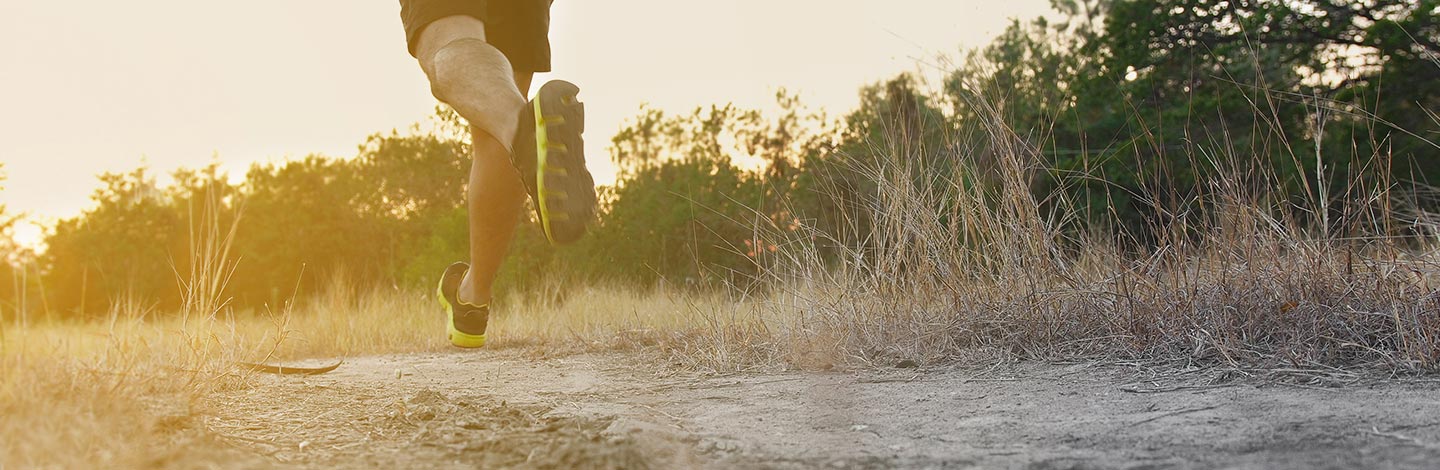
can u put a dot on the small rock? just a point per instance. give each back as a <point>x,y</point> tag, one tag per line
<point>907,364</point>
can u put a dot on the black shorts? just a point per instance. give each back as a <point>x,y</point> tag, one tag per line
<point>519,28</point>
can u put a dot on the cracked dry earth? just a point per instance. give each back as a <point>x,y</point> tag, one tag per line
<point>504,410</point>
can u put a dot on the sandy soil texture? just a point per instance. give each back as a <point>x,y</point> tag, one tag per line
<point>504,410</point>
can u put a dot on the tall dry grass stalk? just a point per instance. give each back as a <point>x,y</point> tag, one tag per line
<point>120,392</point>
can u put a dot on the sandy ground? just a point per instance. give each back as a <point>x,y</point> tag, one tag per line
<point>497,410</point>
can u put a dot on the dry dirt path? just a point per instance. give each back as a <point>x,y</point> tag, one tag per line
<point>488,409</point>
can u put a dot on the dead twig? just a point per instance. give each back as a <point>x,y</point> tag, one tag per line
<point>1175,413</point>
<point>287,370</point>
<point>890,380</point>
<point>1375,431</point>
<point>1180,388</point>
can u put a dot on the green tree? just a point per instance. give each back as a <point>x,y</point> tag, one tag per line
<point>682,209</point>
<point>123,248</point>
<point>304,226</point>
<point>1135,101</point>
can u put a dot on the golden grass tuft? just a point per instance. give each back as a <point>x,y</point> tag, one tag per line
<point>133,391</point>
<point>1238,274</point>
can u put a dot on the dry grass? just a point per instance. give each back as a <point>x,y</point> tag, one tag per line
<point>1237,276</point>
<point>1009,281</point>
<point>66,388</point>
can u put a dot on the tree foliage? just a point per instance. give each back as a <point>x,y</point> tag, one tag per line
<point>1144,97</point>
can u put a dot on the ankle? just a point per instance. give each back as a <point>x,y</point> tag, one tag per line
<point>470,301</point>
<point>469,294</point>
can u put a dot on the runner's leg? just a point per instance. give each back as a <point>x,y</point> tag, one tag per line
<point>476,79</point>
<point>496,199</point>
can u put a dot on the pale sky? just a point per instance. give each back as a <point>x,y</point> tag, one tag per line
<point>91,86</point>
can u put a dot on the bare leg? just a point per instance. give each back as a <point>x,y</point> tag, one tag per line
<point>496,198</point>
<point>477,80</point>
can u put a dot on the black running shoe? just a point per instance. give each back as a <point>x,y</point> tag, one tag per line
<point>553,168</point>
<point>464,323</point>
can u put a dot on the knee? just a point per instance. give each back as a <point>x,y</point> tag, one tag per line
<point>465,63</point>
<point>477,80</point>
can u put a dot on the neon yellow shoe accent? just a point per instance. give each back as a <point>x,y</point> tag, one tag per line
<point>457,337</point>
<point>542,147</point>
<point>464,340</point>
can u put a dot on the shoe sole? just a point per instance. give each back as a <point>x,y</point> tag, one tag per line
<point>453,275</point>
<point>564,189</point>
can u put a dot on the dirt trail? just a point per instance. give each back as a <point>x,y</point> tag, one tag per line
<point>488,409</point>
